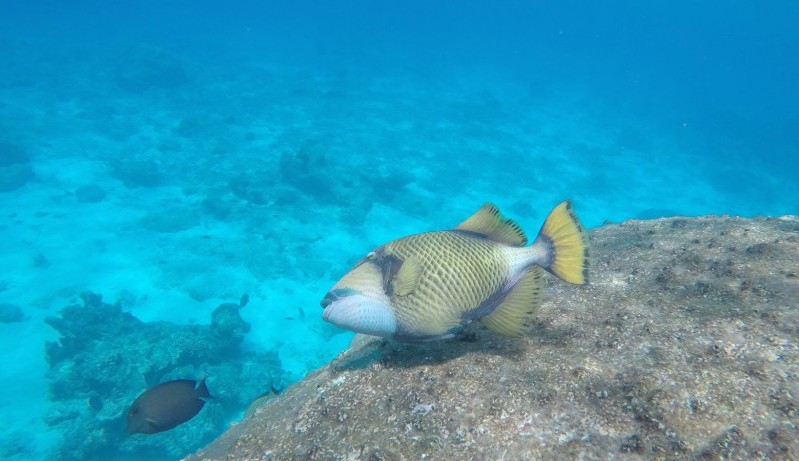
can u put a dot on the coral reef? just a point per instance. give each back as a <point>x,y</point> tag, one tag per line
<point>217,205</point>
<point>18,444</point>
<point>11,313</point>
<point>144,68</point>
<point>91,193</point>
<point>309,169</point>
<point>171,219</point>
<point>684,345</point>
<point>105,357</point>
<point>12,154</point>
<point>137,173</point>
<point>15,168</point>
<point>250,189</point>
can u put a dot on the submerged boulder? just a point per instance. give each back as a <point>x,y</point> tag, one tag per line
<point>682,346</point>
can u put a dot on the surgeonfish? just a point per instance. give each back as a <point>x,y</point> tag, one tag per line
<point>430,286</point>
<point>167,405</point>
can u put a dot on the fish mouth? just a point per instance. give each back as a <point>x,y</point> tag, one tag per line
<point>354,311</point>
<point>326,315</point>
<point>335,295</point>
<point>329,299</point>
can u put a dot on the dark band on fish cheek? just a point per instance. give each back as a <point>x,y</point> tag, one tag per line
<point>389,266</point>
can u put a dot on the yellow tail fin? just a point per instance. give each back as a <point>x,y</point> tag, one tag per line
<point>567,244</point>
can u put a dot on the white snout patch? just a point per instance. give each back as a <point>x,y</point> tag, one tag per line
<point>361,314</point>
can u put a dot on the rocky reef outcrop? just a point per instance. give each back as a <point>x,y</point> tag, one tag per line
<point>684,345</point>
<point>105,357</point>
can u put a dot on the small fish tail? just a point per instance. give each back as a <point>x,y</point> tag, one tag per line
<point>566,244</point>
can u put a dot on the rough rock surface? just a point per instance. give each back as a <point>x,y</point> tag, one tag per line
<point>684,345</point>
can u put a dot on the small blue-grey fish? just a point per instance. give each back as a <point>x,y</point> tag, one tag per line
<point>430,286</point>
<point>167,405</point>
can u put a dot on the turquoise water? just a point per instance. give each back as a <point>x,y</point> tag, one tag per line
<point>172,156</point>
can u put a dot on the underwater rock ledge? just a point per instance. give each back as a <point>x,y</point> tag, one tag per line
<point>684,345</point>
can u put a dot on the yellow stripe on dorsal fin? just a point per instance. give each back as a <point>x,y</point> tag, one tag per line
<point>514,316</point>
<point>489,222</point>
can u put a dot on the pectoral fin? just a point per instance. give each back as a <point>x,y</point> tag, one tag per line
<point>407,278</point>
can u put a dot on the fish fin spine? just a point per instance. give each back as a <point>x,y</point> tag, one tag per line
<point>566,243</point>
<point>515,315</point>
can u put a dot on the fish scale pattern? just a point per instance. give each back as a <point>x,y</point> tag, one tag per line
<point>460,271</point>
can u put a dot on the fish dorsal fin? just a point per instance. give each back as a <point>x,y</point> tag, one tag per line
<point>489,222</point>
<point>407,278</point>
<point>515,315</point>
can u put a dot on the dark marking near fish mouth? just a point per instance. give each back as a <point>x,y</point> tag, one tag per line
<point>335,295</point>
<point>328,299</point>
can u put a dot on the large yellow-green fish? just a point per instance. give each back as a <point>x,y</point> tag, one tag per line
<point>430,286</point>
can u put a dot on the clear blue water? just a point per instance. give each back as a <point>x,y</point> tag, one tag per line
<point>174,155</point>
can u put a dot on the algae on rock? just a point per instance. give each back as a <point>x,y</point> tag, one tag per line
<point>684,345</point>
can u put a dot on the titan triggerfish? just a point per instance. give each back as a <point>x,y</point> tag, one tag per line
<point>430,286</point>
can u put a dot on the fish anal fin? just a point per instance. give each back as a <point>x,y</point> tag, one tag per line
<point>515,315</point>
<point>489,222</point>
<point>407,277</point>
